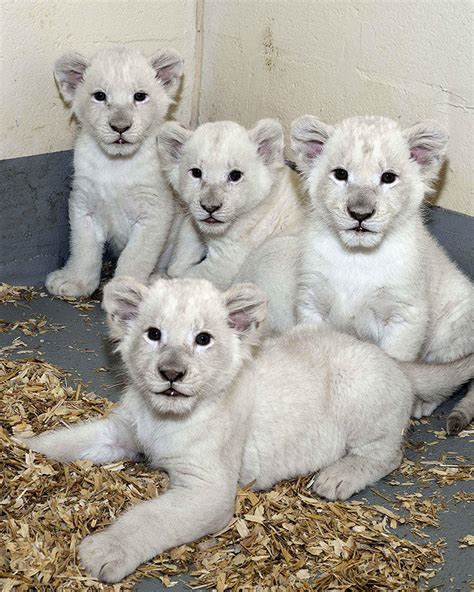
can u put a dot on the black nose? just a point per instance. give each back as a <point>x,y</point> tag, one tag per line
<point>120,128</point>
<point>360,216</point>
<point>172,374</point>
<point>210,209</point>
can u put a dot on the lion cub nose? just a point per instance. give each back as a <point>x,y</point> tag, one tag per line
<point>360,216</point>
<point>210,209</point>
<point>172,374</point>
<point>120,128</point>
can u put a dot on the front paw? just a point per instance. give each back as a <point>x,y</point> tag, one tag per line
<point>422,409</point>
<point>106,557</point>
<point>45,443</point>
<point>334,484</point>
<point>63,282</point>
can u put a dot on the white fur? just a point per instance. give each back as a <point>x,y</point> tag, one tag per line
<point>260,215</point>
<point>394,285</point>
<point>310,400</point>
<point>119,196</point>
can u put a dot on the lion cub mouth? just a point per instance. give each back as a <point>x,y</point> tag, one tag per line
<point>212,220</point>
<point>360,229</point>
<point>171,392</point>
<point>121,141</point>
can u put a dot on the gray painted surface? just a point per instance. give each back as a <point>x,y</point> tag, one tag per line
<point>33,221</point>
<point>455,233</point>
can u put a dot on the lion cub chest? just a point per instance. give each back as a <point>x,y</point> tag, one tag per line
<point>116,192</point>
<point>358,294</point>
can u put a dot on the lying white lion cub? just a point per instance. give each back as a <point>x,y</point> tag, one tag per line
<point>369,266</point>
<point>202,408</point>
<point>118,195</point>
<point>241,204</point>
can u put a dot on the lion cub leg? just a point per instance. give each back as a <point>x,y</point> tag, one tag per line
<point>360,467</point>
<point>81,274</point>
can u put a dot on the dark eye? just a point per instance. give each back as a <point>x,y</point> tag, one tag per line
<point>203,338</point>
<point>388,177</point>
<point>196,173</point>
<point>341,174</point>
<point>153,334</point>
<point>139,97</point>
<point>235,175</point>
<point>99,96</point>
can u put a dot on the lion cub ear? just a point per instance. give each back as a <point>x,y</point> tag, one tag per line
<point>246,305</point>
<point>308,136</point>
<point>427,142</point>
<point>69,72</point>
<point>171,139</point>
<point>267,134</point>
<point>121,301</point>
<point>168,66</point>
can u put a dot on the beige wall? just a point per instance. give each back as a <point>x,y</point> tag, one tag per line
<point>33,118</point>
<point>408,60</point>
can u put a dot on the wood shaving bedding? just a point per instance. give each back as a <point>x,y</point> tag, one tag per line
<point>283,539</point>
<point>33,326</point>
<point>15,294</point>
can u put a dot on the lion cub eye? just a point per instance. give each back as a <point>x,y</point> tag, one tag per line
<point>203,338</point>
<point>139,97</point>
<point>153,334</point>
<point>196,173</point>
<point>340,174</point>
<point>99,96</point>
<point>235,175</point>
<point>388,177</point>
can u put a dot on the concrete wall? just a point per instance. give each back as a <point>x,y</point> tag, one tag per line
<point>33,118</point>
<point>246,59</point>
<point>406,59</point>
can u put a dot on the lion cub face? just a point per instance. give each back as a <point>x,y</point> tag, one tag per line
<point>119,96</point>
<point>221,170</point>
<point>366,176</point>
<point>182,341</point>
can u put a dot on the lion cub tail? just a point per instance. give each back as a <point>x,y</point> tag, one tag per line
<point>434,383</point>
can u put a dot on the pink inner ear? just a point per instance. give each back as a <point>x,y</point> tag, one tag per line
<point>75,77</point>
<point>165,74</point>
<point>313,149</point>
<point>239,320</point>
<point>420,154</point>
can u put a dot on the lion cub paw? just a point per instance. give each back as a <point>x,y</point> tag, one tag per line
<point>64,283</point>
<point>105,557</point>
<point>333,483</point>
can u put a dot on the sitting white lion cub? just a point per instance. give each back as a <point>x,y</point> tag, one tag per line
<point>202,409</point>
<point>118,194</point>
<point>241,204</point>
<point>370,267</point>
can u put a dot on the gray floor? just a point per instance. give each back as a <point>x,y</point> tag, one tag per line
<point>82,348</point>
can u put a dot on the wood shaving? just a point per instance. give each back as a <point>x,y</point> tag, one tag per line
<point>282,539</point>
<point>440,471</point>
<point>14,294</point>
<point>34,326</point>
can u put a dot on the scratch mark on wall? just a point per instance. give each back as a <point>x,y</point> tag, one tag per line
<point>270,52</point>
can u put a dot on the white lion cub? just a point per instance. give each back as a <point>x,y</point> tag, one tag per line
<point>369,266</point>
<point>241,204</point>
<point>118,194</point>
<point>202,409</point>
